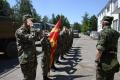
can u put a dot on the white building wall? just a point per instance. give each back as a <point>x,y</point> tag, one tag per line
<point>106,12</point>
<point>118,3</point>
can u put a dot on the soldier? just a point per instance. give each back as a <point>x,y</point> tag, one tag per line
<point>71,37</point>
<point>57,52</point>
<point>106,57</point>
<point>67,39</point>
<point>46,56</point>
<point>25,37</point>
<point>63,43</point>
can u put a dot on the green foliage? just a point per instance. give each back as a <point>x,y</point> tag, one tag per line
<point>36,16</point>
<point>24,7</point>
<point>85,23</point>
<point>89,23</point>
<point>45,19</point>
<point>5,9</point>
<point>64,19</point>
<point>93,23</point>
<point>77,26</point>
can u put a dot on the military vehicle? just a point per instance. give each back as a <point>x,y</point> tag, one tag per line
<point>7,36</point>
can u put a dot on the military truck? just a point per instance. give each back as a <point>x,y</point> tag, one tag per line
<point>7,36</point>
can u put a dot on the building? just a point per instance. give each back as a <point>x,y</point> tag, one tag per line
<point>112,8</point>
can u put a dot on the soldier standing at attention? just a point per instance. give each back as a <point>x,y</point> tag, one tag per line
<point>25,37</point>
<point>106,57</point>
<point>46,56</point>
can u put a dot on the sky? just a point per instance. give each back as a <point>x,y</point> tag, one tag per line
<point>72,9</point>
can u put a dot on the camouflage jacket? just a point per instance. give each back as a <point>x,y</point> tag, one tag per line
<point>25,39</point>
<point>108,43</point>
<point>108,40</point>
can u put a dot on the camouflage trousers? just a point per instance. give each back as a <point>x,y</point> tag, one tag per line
<point>100,75</point>
<point>45,64</point>
<point>29,70</point>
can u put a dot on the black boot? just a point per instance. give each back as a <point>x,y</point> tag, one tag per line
<point>62,58</point>
<point>46,78</point>
<point>58,62</point>
<point>53,68</point>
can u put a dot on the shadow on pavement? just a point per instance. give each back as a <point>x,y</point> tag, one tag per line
<point>72,58</point>
<point>68,77</point>
<point>7,64</point>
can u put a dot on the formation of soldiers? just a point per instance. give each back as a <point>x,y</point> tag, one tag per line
<point>64,43</point>
<point>106,59</point>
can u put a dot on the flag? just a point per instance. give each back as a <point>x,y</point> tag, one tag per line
<point>53,37</point>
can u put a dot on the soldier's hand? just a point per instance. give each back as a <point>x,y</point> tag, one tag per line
<point>96,63</point>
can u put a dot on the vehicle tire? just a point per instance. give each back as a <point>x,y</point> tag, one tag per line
<point>11,50</point>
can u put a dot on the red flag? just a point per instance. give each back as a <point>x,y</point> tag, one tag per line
<point>53,37</point>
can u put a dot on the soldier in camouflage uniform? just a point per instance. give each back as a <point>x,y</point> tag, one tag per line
<point>71,37</point>
<point>57,54</point>
<point>59,49</point>
<point>25,37</point>
<point>63,43</point>
<point>106,57</point>
<point>46,56</point>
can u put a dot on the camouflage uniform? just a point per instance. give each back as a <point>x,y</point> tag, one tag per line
<point>71,38</point>
<point>27,52</point>
<point>107,43</point>
<point>67,41</point>
<point>59,48</point>
<point>46,56</point>
<point>62,43</point>
<point>66,38</point>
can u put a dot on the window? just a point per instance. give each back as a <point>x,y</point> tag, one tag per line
<point>115,24</point>
<point>115,4</point>
<point>108,8</point>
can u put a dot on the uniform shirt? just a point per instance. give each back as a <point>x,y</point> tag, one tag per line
<point>108,40</point>
<point>26,44</point>
<point>108,43</point>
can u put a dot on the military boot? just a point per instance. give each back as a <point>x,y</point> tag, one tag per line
<point>46,78</point>
<point>53,68</point>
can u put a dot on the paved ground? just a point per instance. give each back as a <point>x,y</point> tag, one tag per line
<point>78,64</point>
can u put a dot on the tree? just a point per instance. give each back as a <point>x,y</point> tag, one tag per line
<point>23,7</point>
<point>45,19</point>
<point>93,23</point>
<point>77,26</point>
<point>64,20</point>
<point>85,23</point>
<point>5,9</point>
<point>36,16</point>
<point>15,11</point>
<point>53,19</point>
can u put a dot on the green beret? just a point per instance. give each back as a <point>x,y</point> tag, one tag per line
<point>25,17</point>
<point>108,18</point>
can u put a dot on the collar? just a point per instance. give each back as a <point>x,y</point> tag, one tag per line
<point>106,27</point>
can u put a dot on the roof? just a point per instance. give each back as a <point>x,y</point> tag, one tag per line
<point>108,3</point>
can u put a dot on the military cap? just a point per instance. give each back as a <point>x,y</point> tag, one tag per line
<point>108,18</point>
<point>25,17</point>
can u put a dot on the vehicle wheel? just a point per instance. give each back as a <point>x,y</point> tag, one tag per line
<point>11,50</point>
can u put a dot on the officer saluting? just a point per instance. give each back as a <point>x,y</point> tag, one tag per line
<point>25,37</point>
<point>106,57</point>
